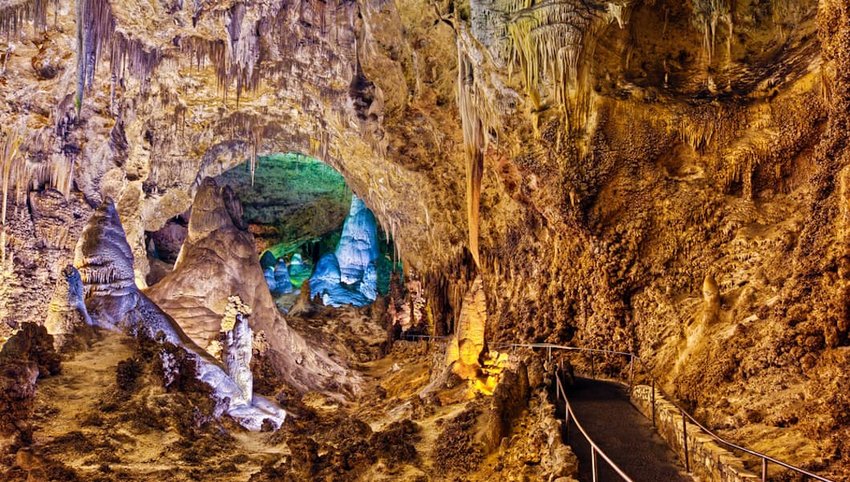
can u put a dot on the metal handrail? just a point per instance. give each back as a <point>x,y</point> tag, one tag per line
<point>594,449</point>
<point>685,415</point>
<point>405,336</point>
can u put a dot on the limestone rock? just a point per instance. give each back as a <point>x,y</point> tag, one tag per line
<point>358,246</point>
<point>299,269</point>
<point>510,398</point>
<point>237,348</point>
<point>271,282</point>
<point>470,332</point>
<point>114,302</point>
<point>369,283</point>
<point>67,317</point>
<point>283,284</point>
<point>219,260</point>
<point>32,343</point>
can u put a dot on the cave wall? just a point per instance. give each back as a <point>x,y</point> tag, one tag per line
<point>618,166</point>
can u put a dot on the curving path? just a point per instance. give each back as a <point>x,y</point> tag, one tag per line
<point>623,433</point>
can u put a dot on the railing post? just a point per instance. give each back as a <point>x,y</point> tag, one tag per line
<point>763,469</point>
<point>592,367</point>
<point>653,402</point>
<point>593,463</point>
<point>567,420</point>
<point>685,441</point>
<point>549,350</point>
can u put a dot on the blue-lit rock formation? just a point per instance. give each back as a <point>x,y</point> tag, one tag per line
<point>350,276</point>
<point>267,260</point>
<point>268,273</point>
<point>369,283</point>
<point>358,246</point>
<point>280,275</point>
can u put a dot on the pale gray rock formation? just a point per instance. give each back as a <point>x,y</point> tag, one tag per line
<point>238,347</point>
<point>68,319</point>
<point>105,263</point>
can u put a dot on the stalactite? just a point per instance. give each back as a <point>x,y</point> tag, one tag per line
<point>553,42</point>
<point>96,32</point>
<point>706,16</point>
<point>14,15</point>
<point>11,145</point>
<point>478,118</point>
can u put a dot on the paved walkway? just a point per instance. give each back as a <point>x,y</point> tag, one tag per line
<point>623,433</point>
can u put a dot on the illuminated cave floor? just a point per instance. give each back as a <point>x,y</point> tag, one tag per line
<point>84,421</point>
<point>88,428</point>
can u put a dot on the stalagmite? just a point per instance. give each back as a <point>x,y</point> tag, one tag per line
<point>358,245</point>
<point>469,338</point>
<point>105,262</point>
<point>67,317</point>
<point>283,284</point>
<point>237,347</point>
<point>711,299</point>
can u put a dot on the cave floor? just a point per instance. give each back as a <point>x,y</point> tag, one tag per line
<point>86,424</point>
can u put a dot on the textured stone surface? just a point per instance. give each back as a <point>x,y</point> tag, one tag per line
<point>67,317</point>
<point>105,262</point>
<point>607,194</point>
<point>218,261</point>
<point>358,246</point>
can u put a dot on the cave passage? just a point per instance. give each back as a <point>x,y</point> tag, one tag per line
<point>308,225</point>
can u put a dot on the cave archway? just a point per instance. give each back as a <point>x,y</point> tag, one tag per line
<point>307,224</point>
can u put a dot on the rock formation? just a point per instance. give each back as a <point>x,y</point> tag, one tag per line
<point>25,357</point>
<point>67,317</point>
<point>468,343</point>
<point>105,263</point>
<point>237,348</point>
<point>268,274</point>
<point>282,282</point>
<point>590,161</point>
<point>299,270</point>
<point>349,276</point>
<point>358,246</point>
<point>219,260</point>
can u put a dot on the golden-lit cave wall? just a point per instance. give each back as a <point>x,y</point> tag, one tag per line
<point>610,239</point>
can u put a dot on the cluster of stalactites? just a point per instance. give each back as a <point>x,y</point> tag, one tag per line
<point>552,42</point>
<point>96,33</point>
<point>234,61</point>
<point>707,14</point>
<point>17,175</point>
<point>14,15</point>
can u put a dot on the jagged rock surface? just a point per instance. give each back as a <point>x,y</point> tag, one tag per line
<point>217,261</point>
<point>67,317</point>
<point>605,197</point>
<point>105,262</point>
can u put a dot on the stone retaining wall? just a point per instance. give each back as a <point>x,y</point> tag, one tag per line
<point>708,460</point>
